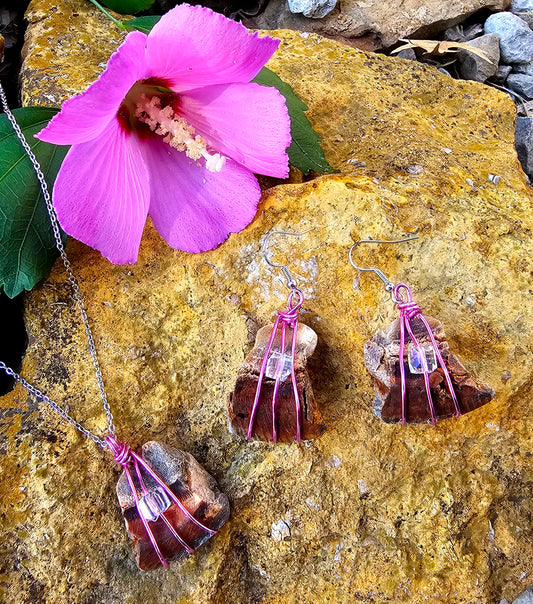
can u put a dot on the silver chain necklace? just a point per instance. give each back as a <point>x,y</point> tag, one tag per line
<point>77,296</point>
<point>155,485</point>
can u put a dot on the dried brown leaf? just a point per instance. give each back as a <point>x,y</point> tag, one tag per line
<point>441,47</point>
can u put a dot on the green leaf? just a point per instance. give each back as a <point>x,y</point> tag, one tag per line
<point>305,152</point>
<point>127,7</point>
<point>143,24</point>
<point>27,244</point>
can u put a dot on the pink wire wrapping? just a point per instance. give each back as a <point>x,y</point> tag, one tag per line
<point>124,456</point>
<point>408,311</point>
<point>286,318</point>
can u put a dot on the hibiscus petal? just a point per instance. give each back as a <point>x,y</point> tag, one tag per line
<point>193,209</point>
<point>193,46</point>
<point>101,194</point>
<point>84,117</point>
<point>246,122</point>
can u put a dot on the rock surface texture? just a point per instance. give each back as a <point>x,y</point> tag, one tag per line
<point>368,512</point>
<point>376,24</point>
<point>525,598</point>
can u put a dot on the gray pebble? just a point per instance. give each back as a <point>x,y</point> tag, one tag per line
<point>526,16</point>
<point>524,143</point>
<point>527,68</point>
<point>460,33</point>
<point>407,53</point>
<point>473,67</point>
<point>521,83</point>
<point>525,597</point>
<point>502,74</point>
<point>520,5</point>
<point>516,39</point>
<point>316,9</point>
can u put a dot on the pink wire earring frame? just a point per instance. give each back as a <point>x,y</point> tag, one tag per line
<point>287,318</point>
<point>284,319</point>
<point>409,310</point>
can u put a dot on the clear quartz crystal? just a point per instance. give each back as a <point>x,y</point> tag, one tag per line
<point>273,364</point>
<point>153,504</point>
<point>416,357</point>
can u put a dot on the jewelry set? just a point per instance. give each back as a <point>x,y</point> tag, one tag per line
<point>170,504</point>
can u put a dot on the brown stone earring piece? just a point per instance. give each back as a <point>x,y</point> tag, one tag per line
<point>416,377</point>
<point>273,398</point>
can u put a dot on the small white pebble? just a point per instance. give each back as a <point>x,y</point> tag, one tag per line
<point>470,300</point>
<point>356,163</point>
<point>491,531</point>
<point>334,461</point>
<point>415,169</point>
<point>281,530</point>
<point>262,572</point>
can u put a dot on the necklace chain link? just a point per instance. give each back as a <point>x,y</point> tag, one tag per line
<point>76,294</point>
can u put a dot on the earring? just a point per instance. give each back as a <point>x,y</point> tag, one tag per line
<point>416,378</point>
<point>273,398</point>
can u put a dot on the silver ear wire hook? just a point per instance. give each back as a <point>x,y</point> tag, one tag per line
<point>291,283</point>
<point>389,285</point>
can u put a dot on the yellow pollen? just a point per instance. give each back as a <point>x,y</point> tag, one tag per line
<point>176,131</point>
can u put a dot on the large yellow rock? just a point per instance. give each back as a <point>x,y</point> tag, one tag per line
<point>369,512</point>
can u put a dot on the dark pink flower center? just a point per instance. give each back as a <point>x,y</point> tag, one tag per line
<point>151,108</point>
<point>149,87</point>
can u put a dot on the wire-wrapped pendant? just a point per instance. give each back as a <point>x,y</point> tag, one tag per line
<point>170,504</point>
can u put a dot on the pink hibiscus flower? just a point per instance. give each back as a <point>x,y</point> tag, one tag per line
<point>173,128</point>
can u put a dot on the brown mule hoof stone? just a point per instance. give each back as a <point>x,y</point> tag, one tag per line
<point>382,361</point>
<point>196,490</point>
<point>241,400</point>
